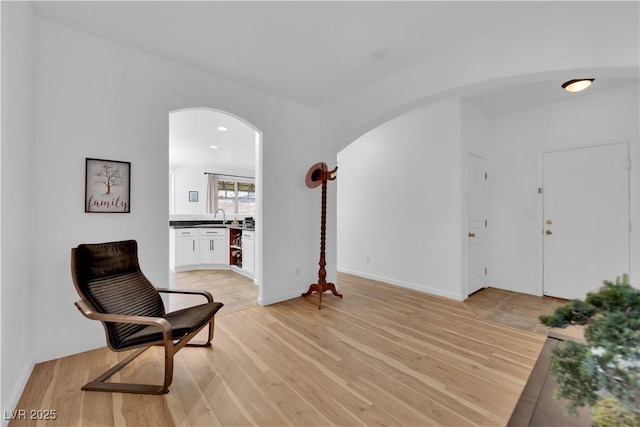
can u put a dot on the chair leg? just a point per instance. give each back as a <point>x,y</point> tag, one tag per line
<point>99,383</point>
<point>211,325</point>
<point>209,336</point>
<point>168,366</point>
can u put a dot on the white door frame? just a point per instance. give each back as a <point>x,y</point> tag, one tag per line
<point>634,209</point>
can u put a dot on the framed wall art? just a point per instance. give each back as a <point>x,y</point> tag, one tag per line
<point>107,186</point>
<point>193,196</point>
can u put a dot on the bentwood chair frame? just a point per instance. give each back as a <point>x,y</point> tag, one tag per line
<point>171,344</point>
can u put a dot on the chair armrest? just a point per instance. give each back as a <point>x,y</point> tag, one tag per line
<point>88,312</point>
<point>205,294</point>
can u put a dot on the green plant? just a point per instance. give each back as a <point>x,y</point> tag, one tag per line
<point>607,412</point>
<point>608,365</point>
<point>575,312</point>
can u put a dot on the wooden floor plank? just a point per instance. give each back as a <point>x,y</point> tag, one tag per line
<point>382,355</point>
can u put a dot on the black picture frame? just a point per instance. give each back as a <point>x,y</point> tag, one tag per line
<point>193,196</point>
<point>107,186</point>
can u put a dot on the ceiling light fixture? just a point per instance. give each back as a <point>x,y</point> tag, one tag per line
<point>577,85</point>
<point>222,129</point>
<point>213,146</point>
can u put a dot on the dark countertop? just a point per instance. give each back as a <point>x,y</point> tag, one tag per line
<point>192,224</point>
<point>207,224</point>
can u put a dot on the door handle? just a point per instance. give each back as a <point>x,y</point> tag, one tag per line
<point>548,232</point>
<point>472,234</point>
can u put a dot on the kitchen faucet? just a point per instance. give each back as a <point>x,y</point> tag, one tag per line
<point>224,215</point>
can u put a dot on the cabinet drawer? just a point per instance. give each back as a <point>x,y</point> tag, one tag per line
<point>248,234</point>
<point>186,232</point>
<point>212,232</point>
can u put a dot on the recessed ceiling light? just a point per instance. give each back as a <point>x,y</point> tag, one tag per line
<point>213,146</point>
<point>222,128</point>
<point>577,85</point>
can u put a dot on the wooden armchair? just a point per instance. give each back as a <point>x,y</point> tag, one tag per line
<point>114,291</point>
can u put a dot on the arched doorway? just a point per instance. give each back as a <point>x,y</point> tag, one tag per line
<point>215,177</point>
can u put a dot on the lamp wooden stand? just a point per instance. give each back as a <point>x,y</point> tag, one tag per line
<point>319,175</point>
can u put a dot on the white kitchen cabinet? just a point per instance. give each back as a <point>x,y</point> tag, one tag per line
<point>213,246</point>
<point>183,248</point>
<point>248,251</point>
<point>198,249</point>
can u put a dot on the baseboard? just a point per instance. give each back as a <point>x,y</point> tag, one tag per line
<point>403,284</point>
<point>184,268</point>
<point>242,271</point>
<point>282,297</point>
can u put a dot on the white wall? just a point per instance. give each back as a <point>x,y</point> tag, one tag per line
<point>419,240</point>
<point>474,132</point>
<point>514,203</point>
<point>190,178</point>
<point>17,263</point>
<point>400,192</point>
<point>99,99</point>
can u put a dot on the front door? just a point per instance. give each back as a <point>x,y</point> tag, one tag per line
<point>476,259</point>
<point>586,222</point>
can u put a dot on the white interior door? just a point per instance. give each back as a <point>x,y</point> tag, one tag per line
<point>476,259</point>
<point>586,222</point>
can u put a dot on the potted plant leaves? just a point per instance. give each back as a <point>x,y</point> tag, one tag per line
<point>604,372</point>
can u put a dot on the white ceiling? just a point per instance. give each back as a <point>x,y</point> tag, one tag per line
<point>524,95</point>
<point>307,51</point>
<point>192,132</point>
<point>312,52</point>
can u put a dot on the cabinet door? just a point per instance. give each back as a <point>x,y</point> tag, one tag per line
<point>186,251</point>
<point>248,251</point>
<point>212,250</point>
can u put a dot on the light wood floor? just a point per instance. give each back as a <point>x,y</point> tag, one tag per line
<point>382,355</point>
<point>235,290</point>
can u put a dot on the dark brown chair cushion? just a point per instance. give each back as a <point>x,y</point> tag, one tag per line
<point>182,322</point>
<point>109,276</point>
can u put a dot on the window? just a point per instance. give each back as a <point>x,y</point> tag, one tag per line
<point>227,196</point>
<point>237,197</point>
<point>246,200</point>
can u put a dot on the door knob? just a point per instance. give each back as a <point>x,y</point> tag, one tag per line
<point>472,234</point>
<point>549,232</point>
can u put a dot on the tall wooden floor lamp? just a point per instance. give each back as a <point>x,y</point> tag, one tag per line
<point>319,175</point>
